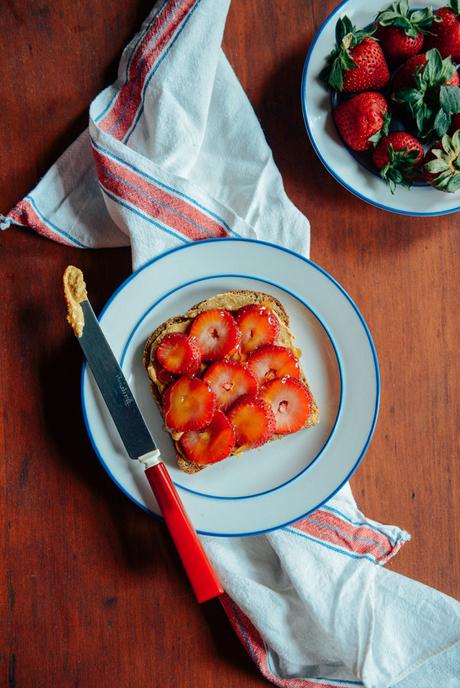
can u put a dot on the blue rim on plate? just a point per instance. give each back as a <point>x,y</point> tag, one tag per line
<point>374,356</point>
<point>303,98</point>
<point>291,293</point>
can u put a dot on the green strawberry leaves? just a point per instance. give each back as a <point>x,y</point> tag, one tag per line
<point>401,168</point>
<point>343,28</point>
<point>437,71</point>
<point>340,60</point>
<point>449,99</point>
<point>446,163</point>
<point>430,103</point>
<point>441,122</point>
<point>411,22</point>
<point>454,5</point>
<point>375,138</point>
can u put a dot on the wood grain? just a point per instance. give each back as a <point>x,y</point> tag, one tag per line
<point>94,594</point>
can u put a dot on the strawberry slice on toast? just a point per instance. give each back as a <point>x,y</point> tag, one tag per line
<point>253,420</point>
<point>216,332</point>
<point>210,445</point>
<point>229,380</point>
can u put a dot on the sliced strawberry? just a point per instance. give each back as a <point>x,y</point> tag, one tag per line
<point>188,404</point>
<point>253,421</point>
<point>216,332</point>
<point>230,380</point>
<point>179,354</point>
<point>163,375</point>
<point>272,362</point>
<point>210,445</point>
<point>290,402</point>
<point>258,325</point>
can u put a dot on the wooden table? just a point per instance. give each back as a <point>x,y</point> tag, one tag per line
<point>95,595</point>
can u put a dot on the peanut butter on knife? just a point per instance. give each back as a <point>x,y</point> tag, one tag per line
<point>75,293</point>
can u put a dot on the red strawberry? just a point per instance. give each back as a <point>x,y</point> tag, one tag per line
<point>401,31</point>
<point>398,156</point>
<point>272,362</point>
<point>188,404</point>
<point>258,325</point>
<point>442,163</point>
<point>210,445</point>
<point>216,332</point>
<point>361,120</point>
<point>253,421</point>
<point>357,62</point>
<point>179,354</point>
<point>405,76</point>
<point>446,36</point>
<point>290,401</point>
<point>397,45</point>
<point>230,380</point>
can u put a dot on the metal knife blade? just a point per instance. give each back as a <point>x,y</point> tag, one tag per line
<point>114,387</point>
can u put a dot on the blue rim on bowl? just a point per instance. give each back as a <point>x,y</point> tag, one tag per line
<point>303,97</point>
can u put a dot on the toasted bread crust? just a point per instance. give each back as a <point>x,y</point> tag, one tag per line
<point>238,299</point>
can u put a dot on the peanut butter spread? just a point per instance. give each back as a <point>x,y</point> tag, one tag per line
<point>75,293</point>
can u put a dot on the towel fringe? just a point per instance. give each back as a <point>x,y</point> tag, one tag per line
<point>5,221</point>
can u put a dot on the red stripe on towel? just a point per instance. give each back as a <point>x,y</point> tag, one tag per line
<point>178,214</point>
<point>337,531</point>
<point>23,213</point>
<point>254,644</point>
<point>120,118</point>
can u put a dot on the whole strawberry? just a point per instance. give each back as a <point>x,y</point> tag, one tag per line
<point>440,72</point>
<point>442,163</point>
<point>426,88</point>
<point>446,33</point>
<point>398,157</point>
<point>357,62</point>
<point>401,31</point>
<point>361,120</point>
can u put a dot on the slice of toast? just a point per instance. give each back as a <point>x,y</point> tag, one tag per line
<point>231,301</point>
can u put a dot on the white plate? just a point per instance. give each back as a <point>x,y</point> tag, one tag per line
<point>316,107</point>
<point>278,483</point>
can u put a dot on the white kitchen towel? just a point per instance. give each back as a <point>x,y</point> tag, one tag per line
<point>174,153</point>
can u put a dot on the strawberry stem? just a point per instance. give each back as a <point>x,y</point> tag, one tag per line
<point>446,163</point>
<point>412,22</point>
<point>401,168</point>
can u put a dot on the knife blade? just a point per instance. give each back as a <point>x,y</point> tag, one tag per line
<point>136,436</point>
<point>114,387</point>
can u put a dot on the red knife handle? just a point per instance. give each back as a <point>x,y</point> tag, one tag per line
<point>204,581</point>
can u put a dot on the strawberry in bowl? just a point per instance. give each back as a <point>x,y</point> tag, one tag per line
<point>402,33</point>
<point>410,92</point>
<point>445,34</point>
<point>398,157</point>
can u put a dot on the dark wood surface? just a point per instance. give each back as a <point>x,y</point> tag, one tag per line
<point>93,595</point>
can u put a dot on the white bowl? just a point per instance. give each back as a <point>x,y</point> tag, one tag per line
<point>338,160</point>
